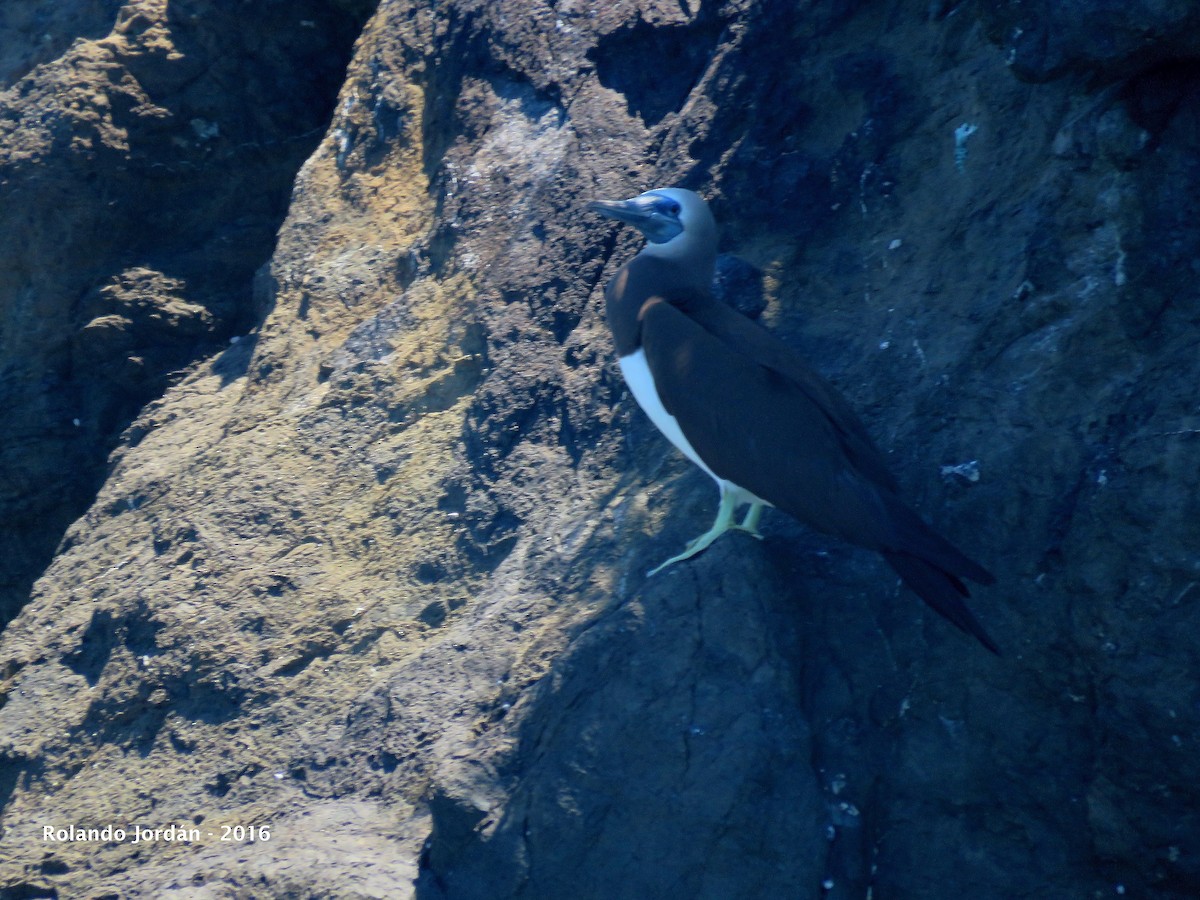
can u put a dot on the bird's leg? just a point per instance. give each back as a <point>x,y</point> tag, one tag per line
<point>750,520</point>
<point>720,525</point>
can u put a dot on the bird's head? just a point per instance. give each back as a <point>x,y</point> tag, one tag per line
<point>676,222</point>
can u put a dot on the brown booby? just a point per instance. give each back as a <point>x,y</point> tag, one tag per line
<point>745,408</point>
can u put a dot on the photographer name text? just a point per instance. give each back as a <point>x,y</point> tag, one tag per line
<point>140,834</point>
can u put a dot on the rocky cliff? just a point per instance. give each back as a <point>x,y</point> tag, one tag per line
<point>328,513</point>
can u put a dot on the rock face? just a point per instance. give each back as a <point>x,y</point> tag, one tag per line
<point>144,170</point>
<point>372,575</point>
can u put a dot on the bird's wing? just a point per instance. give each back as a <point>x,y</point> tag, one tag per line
<point>752,340</point>
<point>777,438</point>
<point>763,430</point>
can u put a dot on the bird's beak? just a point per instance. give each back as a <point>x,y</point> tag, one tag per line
<point>636,212</point>
<point>643,214</point>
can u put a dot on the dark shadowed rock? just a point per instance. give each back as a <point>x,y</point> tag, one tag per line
<point>740,285</point>
<point>373,575</point>
<point>1045,39</point>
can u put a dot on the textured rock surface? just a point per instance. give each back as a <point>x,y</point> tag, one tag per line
<point>372,576</point>
<point>1109,39</point>
<point>144,173</point>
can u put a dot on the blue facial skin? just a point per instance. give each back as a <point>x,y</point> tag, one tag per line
<point>655,216</point>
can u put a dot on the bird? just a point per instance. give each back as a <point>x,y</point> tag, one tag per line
<point>743,406</point>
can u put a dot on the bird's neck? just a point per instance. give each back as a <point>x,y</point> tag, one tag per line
<point>651,274</point>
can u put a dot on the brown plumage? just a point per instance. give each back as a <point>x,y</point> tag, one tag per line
<point>766,427</point>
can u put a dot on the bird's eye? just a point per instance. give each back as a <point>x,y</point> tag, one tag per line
<point>671,208</point>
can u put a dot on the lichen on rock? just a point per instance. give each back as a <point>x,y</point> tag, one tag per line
<point>326,509</point>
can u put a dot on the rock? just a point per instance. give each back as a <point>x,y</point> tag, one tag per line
<point>1046,39</point>
<point>112,201</point>
<point>740,285</point>
<point>372,576</point>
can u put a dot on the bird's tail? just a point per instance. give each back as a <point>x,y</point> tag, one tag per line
<point>912,536</point>
<point>943,590</point>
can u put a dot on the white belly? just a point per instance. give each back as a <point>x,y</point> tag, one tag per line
<point>637,376</point>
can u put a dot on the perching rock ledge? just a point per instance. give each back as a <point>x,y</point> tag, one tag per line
<point>328,513</point>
